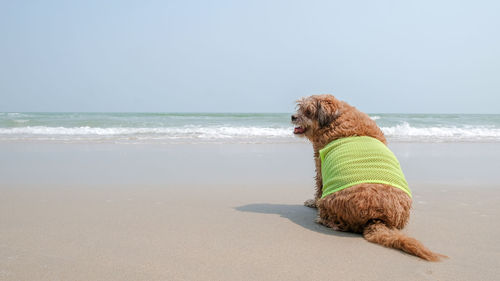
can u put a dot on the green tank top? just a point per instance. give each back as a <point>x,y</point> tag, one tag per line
<point>353,160</point>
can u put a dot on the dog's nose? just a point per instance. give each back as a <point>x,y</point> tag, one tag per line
<point>294,117</point>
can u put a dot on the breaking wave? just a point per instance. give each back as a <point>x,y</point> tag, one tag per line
<point>153,133</point>
<point>400,132</point>
<point>405,132</point>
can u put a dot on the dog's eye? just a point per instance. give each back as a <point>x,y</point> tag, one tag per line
<point>308,113</point>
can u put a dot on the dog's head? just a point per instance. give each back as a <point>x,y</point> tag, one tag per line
<point>315,113</point>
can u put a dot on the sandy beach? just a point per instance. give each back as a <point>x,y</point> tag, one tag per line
<point>230,212</point>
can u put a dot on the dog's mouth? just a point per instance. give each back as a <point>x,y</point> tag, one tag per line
<point>299,130</point>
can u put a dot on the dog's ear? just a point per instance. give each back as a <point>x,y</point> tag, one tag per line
<point>326,113</point>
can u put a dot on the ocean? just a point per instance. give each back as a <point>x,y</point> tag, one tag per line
<point>228,127</point>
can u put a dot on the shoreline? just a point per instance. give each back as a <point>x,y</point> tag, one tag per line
<point>235,141</point>
<point>40,163</point>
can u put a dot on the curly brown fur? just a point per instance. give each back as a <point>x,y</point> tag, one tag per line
<point>377,211</point>
<point>352,209</point>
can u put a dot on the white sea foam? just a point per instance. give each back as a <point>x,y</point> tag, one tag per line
<point>406,132</point>
<point>222,132</point>
<point>227,133</point>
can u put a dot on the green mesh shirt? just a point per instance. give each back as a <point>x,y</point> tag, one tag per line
<point>350,161</point>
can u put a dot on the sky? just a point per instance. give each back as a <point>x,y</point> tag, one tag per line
<point>249,56</point>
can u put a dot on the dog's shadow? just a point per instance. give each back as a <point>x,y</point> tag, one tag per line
<point>298,214</point>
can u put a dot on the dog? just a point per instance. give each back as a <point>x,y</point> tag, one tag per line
<point>376,208</point>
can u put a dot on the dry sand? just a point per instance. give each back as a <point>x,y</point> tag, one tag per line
<point>79,212</point>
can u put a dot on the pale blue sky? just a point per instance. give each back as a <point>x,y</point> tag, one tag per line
<point>249,56</point>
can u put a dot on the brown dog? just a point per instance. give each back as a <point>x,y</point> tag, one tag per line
<point>376,210</point>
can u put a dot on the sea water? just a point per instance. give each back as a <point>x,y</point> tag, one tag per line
<point>229,127</point>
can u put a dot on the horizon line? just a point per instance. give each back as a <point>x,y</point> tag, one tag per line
<point>236,112</point>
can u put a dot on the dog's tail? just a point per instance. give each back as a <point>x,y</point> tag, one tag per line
<point>378,232</point>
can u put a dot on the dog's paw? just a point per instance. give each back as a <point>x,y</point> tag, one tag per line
<point>311,203</point>
<point>318,220</point>
<point>326,223</point>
